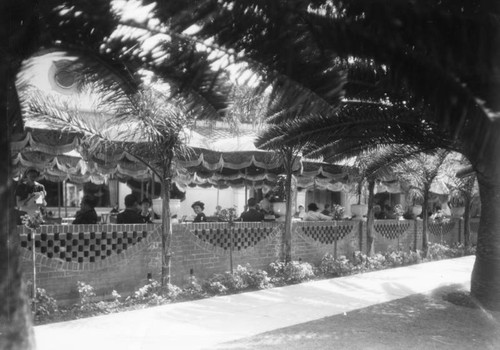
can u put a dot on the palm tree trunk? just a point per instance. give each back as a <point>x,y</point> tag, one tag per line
<point>468,203</point>
<point>288,217</point>
<point>485,282</point>
<point>288,159</point>
<point>370,237</point>
<point>425,221</point>
<point>166,232</point>
<point>16,331</point>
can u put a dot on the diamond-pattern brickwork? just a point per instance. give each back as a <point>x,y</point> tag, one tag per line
<point>243,237</point>
<point>441,228</point>
<point>391,229</point>
<point>82,247</point>
<point>328,233</point>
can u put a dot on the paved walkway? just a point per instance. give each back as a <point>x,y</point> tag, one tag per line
<point>203,324</point>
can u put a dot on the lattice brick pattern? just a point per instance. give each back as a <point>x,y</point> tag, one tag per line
<point>440,228</point>
<point>243,237</point>
<point>83,246</point>
<point>391,229</point>
<point>327,234</point>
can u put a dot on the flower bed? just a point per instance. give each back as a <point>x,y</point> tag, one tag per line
<point>244,278</point>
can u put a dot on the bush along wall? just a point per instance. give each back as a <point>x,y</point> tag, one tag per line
<point>243,278</point>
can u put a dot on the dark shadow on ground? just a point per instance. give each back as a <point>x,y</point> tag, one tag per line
<point>416,322</point>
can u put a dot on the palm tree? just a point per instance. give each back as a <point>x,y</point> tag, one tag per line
<point>87,30</point>
<point>463,189</point>
<point>439,55</point>
<point>150,128</point>
<point>418,172</point>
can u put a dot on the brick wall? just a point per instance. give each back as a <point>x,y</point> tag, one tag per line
<point>121,257</point>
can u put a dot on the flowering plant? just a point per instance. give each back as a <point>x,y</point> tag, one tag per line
<point>398,210</point>
<point>33,221</point>
<point>228,214</point>
<point>439,217</point>
<point>278,193</point>
<point>337,212</point>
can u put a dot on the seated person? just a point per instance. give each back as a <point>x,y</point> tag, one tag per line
<point>265,204</point>
<point>87,213</point>
<point>327,210</point>
<point>252,214</point>
<point>147,213</point>
<point>131,213</point>
<point>378,213</point>
<point>198,208</point>
<point>301,214</point>
<point>314,215</point>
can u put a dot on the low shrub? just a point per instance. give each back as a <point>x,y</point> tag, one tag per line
<point>292,272</point>
<point>192,289</point>
<point>215,287</point>
<point>230,282</point>
<point>45,305</point>
<point>150,294</point>
<point>86,295</point>
<point>331,267</point>
<point>394,258</point>
<point>253,278</point>
<point>243,277</point>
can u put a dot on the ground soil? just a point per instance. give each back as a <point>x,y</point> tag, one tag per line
<point>445,319</point>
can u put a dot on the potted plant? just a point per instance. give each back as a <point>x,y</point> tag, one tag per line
<point>278,197</point>
<point>398,211</point>
<point>415,199</point>
<point>337,212</point>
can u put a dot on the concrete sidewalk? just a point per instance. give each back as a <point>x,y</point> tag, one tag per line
<point>203,324</point>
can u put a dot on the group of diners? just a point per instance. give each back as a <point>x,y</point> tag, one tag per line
<point>30,196</point>
<point>134,212</point>
<point>313,213</point>
<point>255,212</point>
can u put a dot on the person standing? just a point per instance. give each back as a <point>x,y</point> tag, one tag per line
<point>30,194</point>
<point>252,214</point>
<point>87,213</point>
<point>131,213</point>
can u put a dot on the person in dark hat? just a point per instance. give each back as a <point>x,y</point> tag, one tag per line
<point>131,213</point>
<point>252,214</point>
<point>198,208</point>
<point>314,215</point>
<point>87,213</point>
<point>30,194</point>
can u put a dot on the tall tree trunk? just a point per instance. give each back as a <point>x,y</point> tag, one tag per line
<point>425,221</point>
<point>370,237</point>
<point>468,203</point>
<point>15,319</point>
<point>288,218</point>
<point>485,282</point>
<point>166,232</point>
<point>287,237</point>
